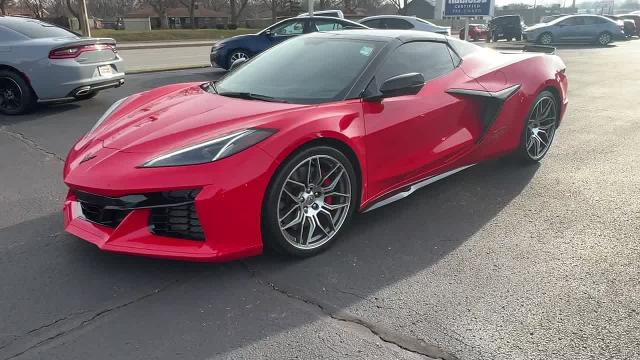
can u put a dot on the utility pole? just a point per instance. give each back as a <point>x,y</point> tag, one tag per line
<point>311,2</point>
<point>84,19</point>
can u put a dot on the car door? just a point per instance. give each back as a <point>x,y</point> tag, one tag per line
<point>396,24</point>
<point>569,29</point>
<point>410,136</point>
<point>373,23</point>
<point>287,29</point>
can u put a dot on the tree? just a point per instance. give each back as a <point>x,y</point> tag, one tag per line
<point>161,7</point>
<point>3,6</point>
<point>191,5</point>
<point>235,12</point>
<point>73,6</point>
<point>274,6</point>
<point>37,7</point>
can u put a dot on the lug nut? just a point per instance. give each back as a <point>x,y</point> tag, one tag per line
<point>315,206</point>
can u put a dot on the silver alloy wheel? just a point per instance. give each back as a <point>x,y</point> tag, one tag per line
<point>604,39</point>
<point>314,202</point>
<point>546,39</point>
<point>237,55</point>
<point>541,127</point>
<point>10,94</point>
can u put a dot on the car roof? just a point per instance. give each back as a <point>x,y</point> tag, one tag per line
<point>390,17</point>
<point>385,35</point>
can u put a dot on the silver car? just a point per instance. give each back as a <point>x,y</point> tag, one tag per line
<point>574,29</point>
<point>398,22</point>
<point>43,63</point>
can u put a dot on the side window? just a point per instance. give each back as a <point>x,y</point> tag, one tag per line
<point>293,27</point>
<point>576,20</point>
<point>397,24</point>
<point>328,25</point>
<point>373,23</point>
<point>595,20</point>
<point>431,59</point>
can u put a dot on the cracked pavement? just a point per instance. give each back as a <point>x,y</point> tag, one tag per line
<point>497,262</point>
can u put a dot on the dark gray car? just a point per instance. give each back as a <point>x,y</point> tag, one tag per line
<point>576,29</point>
<point>42,63</point>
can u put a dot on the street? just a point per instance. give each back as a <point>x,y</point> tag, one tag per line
<point>500,261</point>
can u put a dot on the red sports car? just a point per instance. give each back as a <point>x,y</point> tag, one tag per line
<point>476,32</point>
<point>288,146</point>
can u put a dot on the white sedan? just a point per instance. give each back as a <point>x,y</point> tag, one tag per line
<point>398,22</point>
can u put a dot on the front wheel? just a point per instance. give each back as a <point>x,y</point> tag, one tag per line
<point>540,128</point>
<point>309,201</point>
<point>545,38</point>
<point>237,55</point>
<point>604,39</point>
<point>16,96</point>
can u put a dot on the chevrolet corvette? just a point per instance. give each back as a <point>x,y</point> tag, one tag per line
<point>283,150</point>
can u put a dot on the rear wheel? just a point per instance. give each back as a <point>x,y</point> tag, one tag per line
<point>310,199</point>
<point>604,39</point>
<point>16,96</point>
<point>540,128</point>
<point>545,38</point>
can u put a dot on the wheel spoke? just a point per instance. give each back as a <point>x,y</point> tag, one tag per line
<point>335,193</point>
<point>312,230</point>
<point>333,184</point>
<point>319,171</point>
<point>295,221</point>
<point>302,230</point>
<point>296,206</point>
<point>295,198</point>
<point>296,182</point>
<point>334,206</point>
<point>317,220</point>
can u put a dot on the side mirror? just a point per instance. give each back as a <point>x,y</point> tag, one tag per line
<point>405,84</point>
<point>236,64</point>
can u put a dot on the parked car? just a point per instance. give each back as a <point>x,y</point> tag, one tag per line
<point>282,151</point>
<point>636,20</point>
<point>226,52</point>
<point>476,32</point>
<point>628,25</point>
<point>41,63</point>
<point>398,22</point>
<point>328,13</point>
<point>576,28</point>
<point>509,27</point>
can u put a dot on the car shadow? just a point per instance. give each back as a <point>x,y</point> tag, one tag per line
<point>379,249</point>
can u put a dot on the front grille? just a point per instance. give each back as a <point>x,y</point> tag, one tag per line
<point>177,222</point>
<point>99,215</point>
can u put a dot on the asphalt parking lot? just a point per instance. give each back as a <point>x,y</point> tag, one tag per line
<point>499,261</point>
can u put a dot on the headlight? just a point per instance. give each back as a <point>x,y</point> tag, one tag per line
<point>212,150</point>
<point>104,116</point>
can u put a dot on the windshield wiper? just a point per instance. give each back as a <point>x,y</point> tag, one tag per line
<point>251,96</point>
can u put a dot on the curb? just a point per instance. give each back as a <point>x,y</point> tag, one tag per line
<point>163,46</point>
<point>166,68</point>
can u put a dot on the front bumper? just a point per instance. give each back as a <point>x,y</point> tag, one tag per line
<point>226,210</point>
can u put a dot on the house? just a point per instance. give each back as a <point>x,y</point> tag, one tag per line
<point>179,17</point>
<point>420,8</point>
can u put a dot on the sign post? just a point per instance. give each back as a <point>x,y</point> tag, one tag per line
<point>466,9</point>
<point>84,19</point>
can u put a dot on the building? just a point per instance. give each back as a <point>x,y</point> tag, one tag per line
<point>179,17</point>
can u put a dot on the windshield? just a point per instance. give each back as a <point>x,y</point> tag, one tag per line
<point>304,70</point>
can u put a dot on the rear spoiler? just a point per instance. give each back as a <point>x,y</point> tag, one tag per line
<point>529,48</point>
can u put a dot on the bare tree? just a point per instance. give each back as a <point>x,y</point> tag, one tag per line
<point>161,7</point>
<point>274,6</point>
<point>3,6</point>
<point>191,5</point>
<point>37,7</point>
<point>235,12</point>
<point>73,7</point>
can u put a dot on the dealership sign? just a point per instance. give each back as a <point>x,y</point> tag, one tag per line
<point>467,7</point>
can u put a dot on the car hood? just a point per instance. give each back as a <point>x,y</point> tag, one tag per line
<point>238,38</point>
<point>179,115</point>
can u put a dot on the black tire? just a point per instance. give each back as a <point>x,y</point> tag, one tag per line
<point>518,37</point>
<point>604,38</point>
<point>16,95</point>
<point>273,236</point>
<point>495,37</point>
<point>524,150</point>
<point>87,96</point>
<point>237,54</point>
<point>545,38</point>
